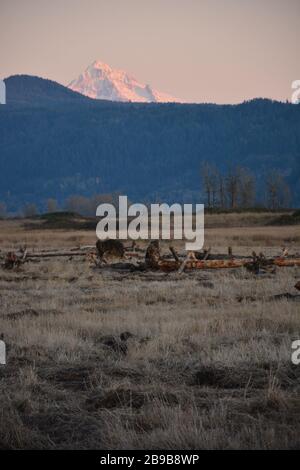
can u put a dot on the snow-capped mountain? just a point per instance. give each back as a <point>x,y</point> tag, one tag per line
<point>100,81</point>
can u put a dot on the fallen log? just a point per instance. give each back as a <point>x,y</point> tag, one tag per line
<point>133,254</point>
<point>215,264</point>
<point>154,261</point>
<point>84,247</point>
<point>174,265</point>
<point>46,254</point>
<point>286,261</point>
<point>168,266</point>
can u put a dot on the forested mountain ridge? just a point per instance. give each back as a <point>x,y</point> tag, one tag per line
<point>55,143</point>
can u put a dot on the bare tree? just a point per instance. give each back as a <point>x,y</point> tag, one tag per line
<point>222,191</point>
<point>246,188</point>
<point>277,190</point>
<point>210,179</point>
<point>232,187</point>
<point>235,189</point>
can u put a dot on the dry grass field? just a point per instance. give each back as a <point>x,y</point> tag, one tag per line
<point>102,359</point>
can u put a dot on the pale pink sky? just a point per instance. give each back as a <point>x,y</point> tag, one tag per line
<point>222,51</point>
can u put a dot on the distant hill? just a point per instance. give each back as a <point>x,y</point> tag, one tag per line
<point>61,220</point>
<point>25,89</point>
<point>55,142</point>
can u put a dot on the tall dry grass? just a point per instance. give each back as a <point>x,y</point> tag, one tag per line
<point>207,364</point>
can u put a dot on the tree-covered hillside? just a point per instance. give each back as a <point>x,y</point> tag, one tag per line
<point>55,143</point>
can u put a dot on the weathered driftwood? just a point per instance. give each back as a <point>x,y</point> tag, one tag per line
<point>168,266</point>
<point>154,260</point>
<point>13,260</point>
<point>54,254</point>
<point>286,261</point>
<point>133,254</point>
<point>84,247</point>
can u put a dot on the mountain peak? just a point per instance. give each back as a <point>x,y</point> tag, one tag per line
<point>100,81</point>
<point>98,64</point>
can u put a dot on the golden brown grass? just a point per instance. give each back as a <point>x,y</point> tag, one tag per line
<point>208,365</point>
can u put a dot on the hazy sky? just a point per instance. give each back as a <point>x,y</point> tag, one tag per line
<point>220,51</point>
